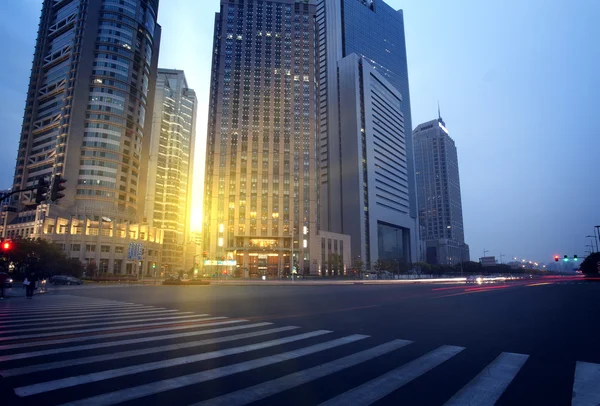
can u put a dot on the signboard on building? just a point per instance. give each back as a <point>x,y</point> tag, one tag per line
<point>222,263</point>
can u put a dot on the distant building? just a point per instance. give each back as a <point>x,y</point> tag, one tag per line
<point>171,165</point>
<point>488,261</point>
<point>439,197</point>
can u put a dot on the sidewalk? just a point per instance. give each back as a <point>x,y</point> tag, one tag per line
<point>17,292</point>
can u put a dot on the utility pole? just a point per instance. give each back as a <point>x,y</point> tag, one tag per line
<point>501,256</point>
<point>485,252</point>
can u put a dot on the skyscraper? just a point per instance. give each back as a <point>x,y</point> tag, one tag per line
<point>87,118</point>
<point>171,165</point>
<point>260,201</point>
<point>438,186</point>
<point>374,33</point>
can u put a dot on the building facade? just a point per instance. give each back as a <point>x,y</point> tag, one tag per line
<point>438,184</point>
<point>375,173</point>
<point>171,165</point>
<point>374,32</point>
<point>260,200</point>
<point>87,118</point>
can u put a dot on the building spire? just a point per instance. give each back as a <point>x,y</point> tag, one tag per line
<point>439,113</point>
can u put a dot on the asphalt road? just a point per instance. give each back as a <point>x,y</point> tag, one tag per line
<point>532,342</point>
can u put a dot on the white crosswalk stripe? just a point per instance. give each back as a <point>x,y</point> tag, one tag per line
<point>96,316</point>
<point>134,353</point>
<point>114,373</point>
<point>184,315</point>
<point>487,387</point>
<point>182,381</point>
<point>142,351</point>
<point>93,330</point>
<point>63,350</point>
<point>586,388</point>
<point>114,335</point>
<point>376,389</point>
<point>261,391</point>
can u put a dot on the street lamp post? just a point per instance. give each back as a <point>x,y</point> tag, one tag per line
<point>592,241</point>
<point>597,228</point>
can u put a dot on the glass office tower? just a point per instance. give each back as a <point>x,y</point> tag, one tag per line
<point>373,31</point>
<point>171,165</point>
<point>88,118</point>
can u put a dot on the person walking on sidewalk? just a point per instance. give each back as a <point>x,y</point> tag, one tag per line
<point>30,287</point>
<point>3,278</point>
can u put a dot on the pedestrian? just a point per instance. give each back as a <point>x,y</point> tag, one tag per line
<point>30,285</point>
<point>3,278</point>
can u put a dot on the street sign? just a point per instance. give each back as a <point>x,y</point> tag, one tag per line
<point>135,251</point>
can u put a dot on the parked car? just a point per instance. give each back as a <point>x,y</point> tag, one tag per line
<point>65,280</point>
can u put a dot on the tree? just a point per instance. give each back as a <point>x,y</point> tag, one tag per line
<point>40,256</point>
<point>91,269</point>
<point>379,266</point>
<point>358,266</point>
<point>591,265</point>
<point>422,268</point>
<point>336,262</point>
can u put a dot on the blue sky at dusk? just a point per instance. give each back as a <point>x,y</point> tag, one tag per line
<point>518,86</point>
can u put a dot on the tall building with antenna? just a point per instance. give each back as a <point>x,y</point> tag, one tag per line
<point>439,196</point>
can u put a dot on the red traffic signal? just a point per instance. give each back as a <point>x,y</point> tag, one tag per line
<point>6,245</point>
<point>556,258</point>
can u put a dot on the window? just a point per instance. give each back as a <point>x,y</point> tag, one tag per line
<point>75,247</point>
<point>119,249</point>
<point>105,248</point>
<point>90,248</point>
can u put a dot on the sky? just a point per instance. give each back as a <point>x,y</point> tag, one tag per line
<point>518,86</point>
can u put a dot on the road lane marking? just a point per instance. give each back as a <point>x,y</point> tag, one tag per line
<point>487,387</point>
<point>383,385</point>
<point>61,320</point>
<point>211,374</point>
<point>128,332</point>
<point>275,386</point>
<point>112,328</point>
<point>12,357</point>
<point>540,284</point>
<point>586,387</point>
<point>42,387</point>
<point>134,353</point>
<point>18,329</point>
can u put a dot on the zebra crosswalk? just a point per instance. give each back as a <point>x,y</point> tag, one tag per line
<point>70,350</point>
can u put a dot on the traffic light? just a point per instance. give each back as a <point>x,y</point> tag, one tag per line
<point>154,265</point>
<point>6,245</point>
<point>41,193</point>
<point>556,258</point>
<point>58,185</point>
<point>575,258</point>
<point>566,258</point>
<point>205,254</point>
